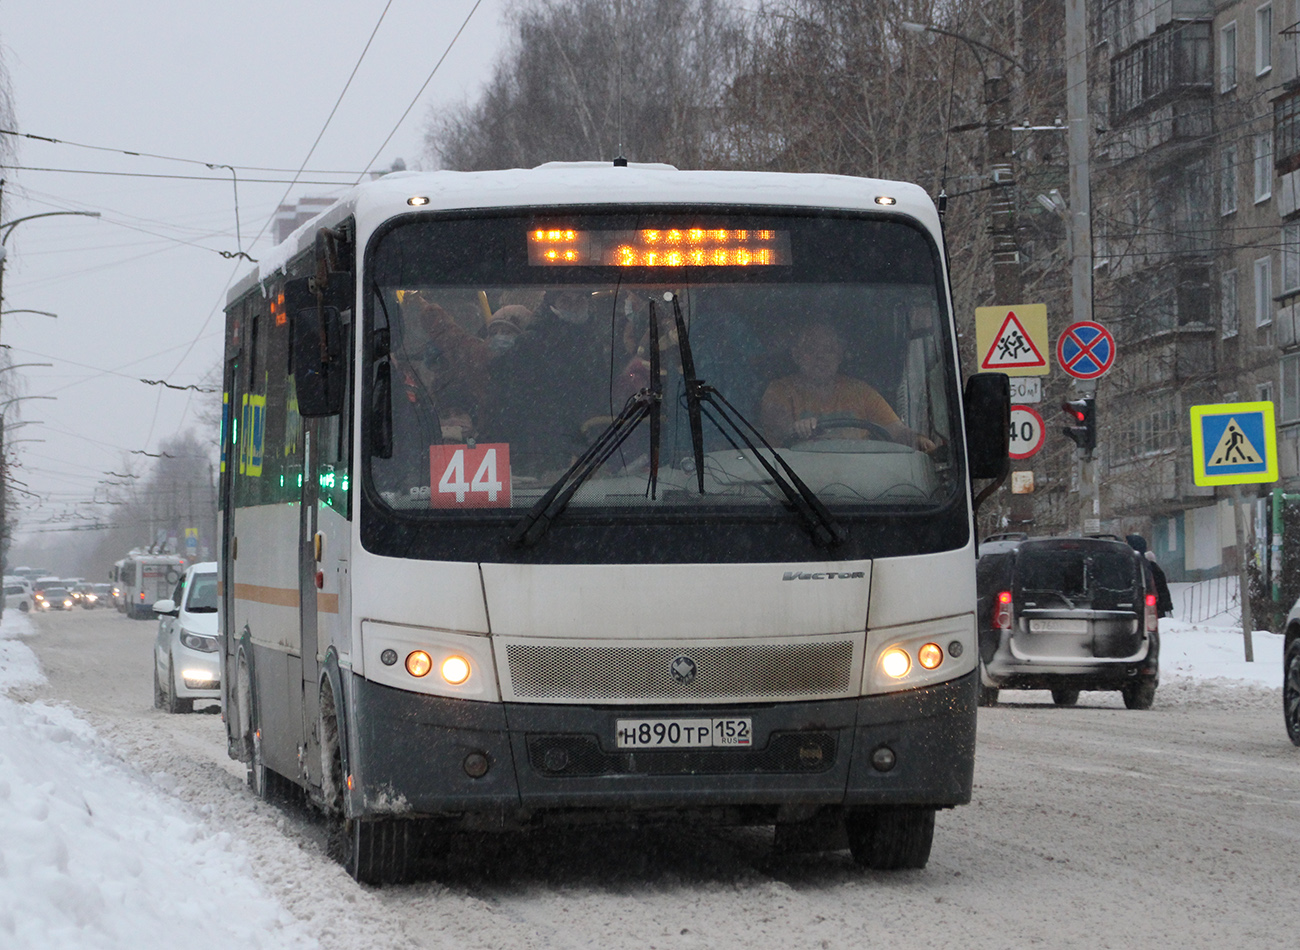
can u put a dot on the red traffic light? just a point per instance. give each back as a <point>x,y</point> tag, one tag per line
<point>1083,416</point>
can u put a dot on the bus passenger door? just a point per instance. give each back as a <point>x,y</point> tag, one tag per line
<point>308,595</point>
<point>322,556</point>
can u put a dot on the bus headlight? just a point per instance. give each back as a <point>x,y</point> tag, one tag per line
<point>455,670</point>
<point>930,656</point>
<point>418,663</point>
<point>910,655</point>
<point>435,662</point>
<point>895,663</point>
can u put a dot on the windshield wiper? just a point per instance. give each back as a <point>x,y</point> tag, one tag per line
<point>647,402</point>
<point>826,531</point>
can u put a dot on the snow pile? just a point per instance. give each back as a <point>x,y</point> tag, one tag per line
<point>1213,650</point>
<point>18,666</point>
<point>92,855</point>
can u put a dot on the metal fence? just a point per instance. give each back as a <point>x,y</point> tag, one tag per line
<point>1206,599</point>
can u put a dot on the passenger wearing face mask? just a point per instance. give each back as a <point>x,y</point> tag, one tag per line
<point>503,329</point>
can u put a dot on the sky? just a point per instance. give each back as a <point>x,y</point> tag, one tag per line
<point>139,291</point>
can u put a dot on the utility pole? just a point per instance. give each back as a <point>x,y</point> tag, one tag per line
<point>1007,286</point>
<point>1079,145</point>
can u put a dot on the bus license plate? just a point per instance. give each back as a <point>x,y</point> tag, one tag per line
<point>684,733</point>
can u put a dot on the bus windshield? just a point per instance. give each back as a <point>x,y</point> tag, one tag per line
<point>507,345</point>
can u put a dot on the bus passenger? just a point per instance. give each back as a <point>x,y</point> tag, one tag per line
<point>443,364</point>
<point>818,402</point>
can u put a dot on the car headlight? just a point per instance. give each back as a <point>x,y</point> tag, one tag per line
<point>196,642</point>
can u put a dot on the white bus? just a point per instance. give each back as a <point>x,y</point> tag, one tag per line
<point>600,492</point>
<point>142,579</point>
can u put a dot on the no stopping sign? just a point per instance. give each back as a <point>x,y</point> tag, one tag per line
<point>1027,431</point>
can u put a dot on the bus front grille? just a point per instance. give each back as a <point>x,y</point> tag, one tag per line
<point>822,668</point>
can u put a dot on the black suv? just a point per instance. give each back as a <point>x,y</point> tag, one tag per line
<point>1067,614</point>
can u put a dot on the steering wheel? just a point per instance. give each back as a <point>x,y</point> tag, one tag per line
<point>877,431</point>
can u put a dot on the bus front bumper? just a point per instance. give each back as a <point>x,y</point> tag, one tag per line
<point>415,755</point>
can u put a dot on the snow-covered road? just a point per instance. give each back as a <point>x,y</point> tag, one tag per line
<point>1091,827</point>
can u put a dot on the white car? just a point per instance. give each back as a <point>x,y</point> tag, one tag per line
<point>18,595</point>
<point>187,666</point>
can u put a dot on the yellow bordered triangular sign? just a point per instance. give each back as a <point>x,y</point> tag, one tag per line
<point>1013,340</point>
<point>1234,444</point>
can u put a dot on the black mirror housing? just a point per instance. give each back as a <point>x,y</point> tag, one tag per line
<point>319,372</point>
<point>987,411</point>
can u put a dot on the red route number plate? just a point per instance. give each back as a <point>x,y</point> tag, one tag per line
<point>463,477</point>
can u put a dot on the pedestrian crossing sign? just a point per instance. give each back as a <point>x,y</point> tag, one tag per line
<point>1234,443</point>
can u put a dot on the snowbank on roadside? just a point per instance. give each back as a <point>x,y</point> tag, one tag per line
<point>1212,651</point>
<point>92,855</point>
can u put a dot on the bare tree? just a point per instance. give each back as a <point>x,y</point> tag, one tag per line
<point>588,79</point>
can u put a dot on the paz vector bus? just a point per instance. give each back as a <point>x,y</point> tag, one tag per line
<point>605,492</point>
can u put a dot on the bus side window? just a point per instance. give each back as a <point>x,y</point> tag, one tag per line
<point>334,439</point>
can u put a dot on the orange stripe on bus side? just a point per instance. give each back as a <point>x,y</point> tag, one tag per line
<point>285,597</point>
<point>277,596</point>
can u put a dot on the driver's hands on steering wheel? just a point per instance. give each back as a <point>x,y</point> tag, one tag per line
<point>804,428</point>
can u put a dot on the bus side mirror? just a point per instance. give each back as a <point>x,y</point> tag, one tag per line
<point>319,370</point>
<point>988,424</point>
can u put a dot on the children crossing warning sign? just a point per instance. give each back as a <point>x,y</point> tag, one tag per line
<point>1013,340</point>
<point>1234,443</point>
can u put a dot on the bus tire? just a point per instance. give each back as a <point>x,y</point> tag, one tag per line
<point>381,850</point>
<point>988,695</point>
<point>890,839</point>
<point>1065,697</point>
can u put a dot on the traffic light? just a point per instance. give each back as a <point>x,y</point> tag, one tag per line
<point>1083,416</point>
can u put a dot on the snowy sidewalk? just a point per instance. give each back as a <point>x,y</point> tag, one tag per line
<point>94,855</point>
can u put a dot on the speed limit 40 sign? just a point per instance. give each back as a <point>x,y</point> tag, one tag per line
<point>1027,431</point>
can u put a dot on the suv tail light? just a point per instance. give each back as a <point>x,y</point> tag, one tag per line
<point>1153,621</point>
<point>1002,611</point>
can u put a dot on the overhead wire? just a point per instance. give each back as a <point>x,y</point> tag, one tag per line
<point>416,98</point>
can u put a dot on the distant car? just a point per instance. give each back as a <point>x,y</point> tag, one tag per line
<point>97,595</point>
<point>187,666</point>
<point>18,595</point>
<point>54,598</point>
<point>1067,614</point>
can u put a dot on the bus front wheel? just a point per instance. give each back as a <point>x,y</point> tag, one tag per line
<point>890,839</point>
<point>380,850</point>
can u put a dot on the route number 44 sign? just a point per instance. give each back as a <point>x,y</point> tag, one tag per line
<point>465,477</point>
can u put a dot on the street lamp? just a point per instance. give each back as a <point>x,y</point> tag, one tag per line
<point>7,228</point>
<point>909,27</point>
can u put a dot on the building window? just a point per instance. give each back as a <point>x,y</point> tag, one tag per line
<point>1263,291</point>
<point>1263,167</point>
<point>1263,39</point>
<point>1228,57</point>
<point>1169,61</point>
<point>1286,133</point>
<point>1291,258</point>
<point>1289,405</point>
<point>1228,180</point>
<point>1264,392</point>
<point>1228,302</point>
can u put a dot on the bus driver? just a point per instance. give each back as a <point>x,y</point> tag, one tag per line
<point>809,404</point>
